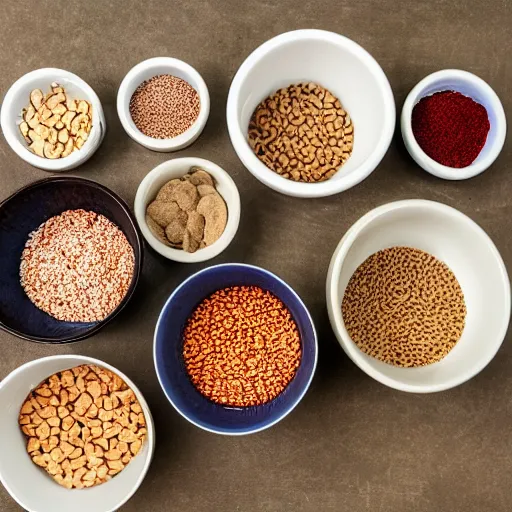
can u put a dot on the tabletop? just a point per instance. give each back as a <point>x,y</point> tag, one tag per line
<point>352,444</point>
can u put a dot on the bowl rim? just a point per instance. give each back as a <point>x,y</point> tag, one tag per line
<point>293,404</point>
<point>140,397</point>
<point>136,273</point>
<point>60,164</point>
<point>265,175</point>
<point>429,164</point>
<point>333,298</point>
<point>233,206</point>
<point>124,97</point>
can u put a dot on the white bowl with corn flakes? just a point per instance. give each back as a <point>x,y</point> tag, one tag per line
<point>77,435</point>
<point>52,119</point>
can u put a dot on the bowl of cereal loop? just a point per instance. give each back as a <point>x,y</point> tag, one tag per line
<point>73,260</point>
<point>235,349</point>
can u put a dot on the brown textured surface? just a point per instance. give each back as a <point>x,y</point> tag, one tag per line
<point>352,444</point>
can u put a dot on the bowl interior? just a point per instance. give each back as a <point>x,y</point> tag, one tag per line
<point>30,485</point>
<point>466,249</point>
<point>478,92</point>
<point>74,88</point>
<point>345,69</point>
<point>26,211</point>
<point>143,73</point>
<point>177,168</point>
<point>169,359</point>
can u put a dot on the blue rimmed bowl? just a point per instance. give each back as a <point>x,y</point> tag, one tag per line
<point>170,367</point>
<point>25,211</point>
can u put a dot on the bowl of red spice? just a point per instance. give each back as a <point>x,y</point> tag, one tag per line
<point>453,124</point>
<point>163,104</point>
<point>235,349</point>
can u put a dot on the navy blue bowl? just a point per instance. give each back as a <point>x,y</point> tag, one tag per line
<point>170,367</point>
<point>24,212</point>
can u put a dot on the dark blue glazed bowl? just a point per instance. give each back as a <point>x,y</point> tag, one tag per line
<point>170,367</point>
<point>24,212</point>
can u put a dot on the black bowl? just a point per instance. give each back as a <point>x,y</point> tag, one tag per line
<point>24,212</point>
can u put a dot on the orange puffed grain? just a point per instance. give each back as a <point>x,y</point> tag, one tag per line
<point>241,346</point>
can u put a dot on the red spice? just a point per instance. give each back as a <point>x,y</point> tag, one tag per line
<point>450,128</point>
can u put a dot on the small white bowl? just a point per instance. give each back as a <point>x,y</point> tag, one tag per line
<point>469,85</point>
<point>455,239</point>
<point>31,486</point>
<point>18,98</point>
<point>336,63</point>
<point>148,69</point>
<point>177,168</point>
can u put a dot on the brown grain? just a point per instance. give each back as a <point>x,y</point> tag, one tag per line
<point>164,106</point>
<point>241,346</point>
<point>404,307</point>
<point>82,425</point>
<point>77,266</point>
<point>302,132</point>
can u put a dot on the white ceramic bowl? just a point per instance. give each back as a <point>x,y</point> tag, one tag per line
<point>474,87</point>
<point>148,69</point>
<point>177,168</point>
<point>340,65</point>
<point>455,239</point>
<point>31,486</point>
<point>17,98</point>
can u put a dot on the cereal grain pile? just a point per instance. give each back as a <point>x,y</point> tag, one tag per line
<point>302,132</point>
<point>404,307</point>
<point>83,426</point>
<point>241,346</point>
<point>77,266</point>
<point>164,106</point>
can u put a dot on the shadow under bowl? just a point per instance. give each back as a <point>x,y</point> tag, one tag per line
<point>24,212</point>
<point>170,366</point>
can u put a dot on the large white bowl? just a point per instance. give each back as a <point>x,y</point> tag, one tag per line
<point>18,98</point>
<point>336,63</point>
<point>474,87</point>
<point>148,69</point>
<point>31,486</point>
<point>177,168</point>
<point>454,238</point>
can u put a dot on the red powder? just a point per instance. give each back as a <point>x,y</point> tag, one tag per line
<point>450,128</point>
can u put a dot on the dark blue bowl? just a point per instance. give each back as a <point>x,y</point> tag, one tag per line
<point>170,366</point>
<point>24,212</point>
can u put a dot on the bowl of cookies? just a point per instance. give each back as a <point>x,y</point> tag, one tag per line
<point>188,209</point>
<point>72,423</point>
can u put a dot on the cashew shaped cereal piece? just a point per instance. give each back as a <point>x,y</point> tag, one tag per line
<point>213,208</point>
<point>36,98</point>
<point>53,151</point>
<point>38,147</point>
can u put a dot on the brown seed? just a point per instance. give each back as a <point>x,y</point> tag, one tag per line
<point>164,106</point>
<point>231,368</point>
<point>404,307</point>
